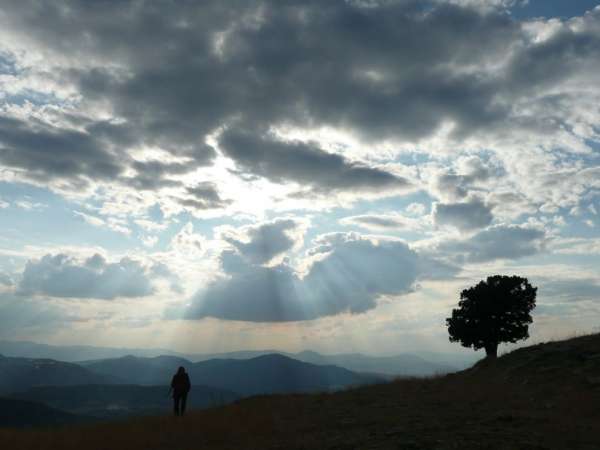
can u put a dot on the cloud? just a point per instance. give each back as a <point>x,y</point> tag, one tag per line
<point>283,161</point>
<point>5,279</point>
<point>572,290</point>
<point>45,152</point>
<point>30,206</point>
<point>261,243</point>
<point>203,196</point>
<point>383,222</point>
<point>497,242</point>
<point>112,223</point>
<point>455,182</point>
<point>339,280</point>
<point>465,216</point>
<point>63,276</point>
<point>19,316</point>
<point>89,219</point>
<point>480,80</point>
<point>152,175</point>
<point>187,242</point>
<point>416,209</point>
<point>576,246</point>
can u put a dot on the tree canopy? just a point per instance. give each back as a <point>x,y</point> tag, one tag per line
<point>495,310</point>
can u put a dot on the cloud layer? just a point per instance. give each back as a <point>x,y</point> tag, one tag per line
<point>230,142</point>
<point>145,78</point>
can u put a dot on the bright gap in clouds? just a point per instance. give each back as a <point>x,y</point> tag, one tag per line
<point>294,175</point>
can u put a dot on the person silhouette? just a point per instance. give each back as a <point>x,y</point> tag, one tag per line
<point>180,385</point>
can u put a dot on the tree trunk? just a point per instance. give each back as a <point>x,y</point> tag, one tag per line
<point>491,350</point>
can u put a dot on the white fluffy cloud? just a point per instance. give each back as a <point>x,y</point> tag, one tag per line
<point>64,276</point>
<point>347,274</point>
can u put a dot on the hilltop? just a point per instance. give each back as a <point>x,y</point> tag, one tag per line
<point>538,398</point>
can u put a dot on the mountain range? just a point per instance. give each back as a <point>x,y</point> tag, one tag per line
<point>266,374</point>
<point>404,364</point>
<point>47,391</point>
<point>24,373</point>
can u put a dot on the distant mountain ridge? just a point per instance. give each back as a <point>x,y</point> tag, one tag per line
<point>131,369</point>
<point>403,365</point>
<point>266,374</point>
<point>407,364</point>
<point>76,353</point>
<point>24,373</point>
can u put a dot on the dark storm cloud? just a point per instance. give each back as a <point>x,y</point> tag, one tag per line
<point>337,282</point>
<point>62,276</point>
<point>303,163</point>
<point>49,153</point>
<point>497,242</point>
<point>539,66</point>
<point>465,216</point>
<point>153,175</point>
<point>172,72</point>
<point>280,61</point>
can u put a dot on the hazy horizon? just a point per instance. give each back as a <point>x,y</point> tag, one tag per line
<point>458,352</point>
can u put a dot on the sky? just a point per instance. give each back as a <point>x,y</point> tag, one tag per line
<point>280,174</point>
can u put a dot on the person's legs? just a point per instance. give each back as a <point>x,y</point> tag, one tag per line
<point>176,400</point>
<point>183,402</point>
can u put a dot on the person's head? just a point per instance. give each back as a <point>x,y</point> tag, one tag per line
<point>180,371</point>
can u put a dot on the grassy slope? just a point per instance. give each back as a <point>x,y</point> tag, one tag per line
<point>541,397</point>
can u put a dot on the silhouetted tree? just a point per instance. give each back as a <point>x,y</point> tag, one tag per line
<point>493,311</point>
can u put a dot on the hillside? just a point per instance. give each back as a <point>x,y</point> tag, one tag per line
<point>275,374</point>
<point>117,401</point>
<point>18,374</point>
<point>23,414</point>
<point>543,397</point>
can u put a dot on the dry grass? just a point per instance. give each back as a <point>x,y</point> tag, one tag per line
<point>542,397</point>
